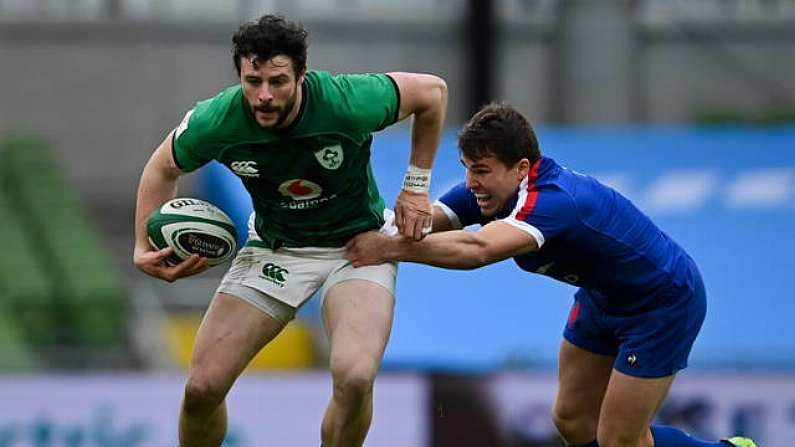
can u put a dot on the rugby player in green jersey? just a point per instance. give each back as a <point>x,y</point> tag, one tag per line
<point>299,141</point>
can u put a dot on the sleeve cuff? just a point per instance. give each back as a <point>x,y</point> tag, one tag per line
<point>397,94</point>
<point>527,228</point>
<point>174,151</point>
<point>450,214</point>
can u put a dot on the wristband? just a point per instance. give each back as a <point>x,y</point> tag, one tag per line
<point>417,179</point>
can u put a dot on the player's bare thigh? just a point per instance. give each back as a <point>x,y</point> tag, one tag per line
<point>232,332</point>
<point>358,317</point>
<point>629,408</point>
<point>583,377</point>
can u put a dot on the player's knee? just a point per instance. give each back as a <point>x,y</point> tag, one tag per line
<point>572,425</point>
<point>353,380</point>
<point>202,394</point>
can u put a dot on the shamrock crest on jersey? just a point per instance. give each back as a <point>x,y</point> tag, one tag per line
<point>330,157</point>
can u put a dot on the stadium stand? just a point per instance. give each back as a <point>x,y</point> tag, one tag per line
<point>65,292</point>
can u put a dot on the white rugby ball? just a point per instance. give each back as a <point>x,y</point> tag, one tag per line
<point>192,226</point>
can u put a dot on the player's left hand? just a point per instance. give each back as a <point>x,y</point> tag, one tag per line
<point>413,216</point>
<point>366,249</point>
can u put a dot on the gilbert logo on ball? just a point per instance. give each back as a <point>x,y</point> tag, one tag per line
<point>192,226</point>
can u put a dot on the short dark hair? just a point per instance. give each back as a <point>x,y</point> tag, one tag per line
<point>268,37</point>
<point>501,131</point>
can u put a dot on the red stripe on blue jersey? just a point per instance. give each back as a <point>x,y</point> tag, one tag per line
<point>532,193</point>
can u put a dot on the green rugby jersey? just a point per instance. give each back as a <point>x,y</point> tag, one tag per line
<point>311,184</point>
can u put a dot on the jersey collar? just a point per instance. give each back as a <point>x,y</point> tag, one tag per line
<point>511,204</point>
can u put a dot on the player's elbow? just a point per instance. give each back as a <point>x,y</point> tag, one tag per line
<point>438,88</point>
<point>159,172</point>
<point>440,85</point>
<point>433,93</point>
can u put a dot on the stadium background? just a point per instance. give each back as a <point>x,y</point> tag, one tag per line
<point>688,107</point>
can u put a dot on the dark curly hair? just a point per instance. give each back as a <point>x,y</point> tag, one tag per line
<point>501,131</point>
<point>268,37</point>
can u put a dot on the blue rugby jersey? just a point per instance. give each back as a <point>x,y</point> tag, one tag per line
<point>589,236</point>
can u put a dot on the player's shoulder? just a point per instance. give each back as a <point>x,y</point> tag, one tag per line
<point>549,189</point>
<point>548,177</point>
<point>321,81</point>
<point>553,177</point>
<point>582,195</point>
<point>318,78</point>
<point>325,79</point>
<point>220,108</point>
<point>350,102</point>
<point>325,86</point>
<point>322,89</point>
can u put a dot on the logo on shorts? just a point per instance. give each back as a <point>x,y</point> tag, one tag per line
<point>632,360</point>
<point>275,273</point>
<point>571,278</point>
<point>543,269</point>
<point>330,157</point>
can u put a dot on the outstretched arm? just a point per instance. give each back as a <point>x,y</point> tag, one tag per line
<point>159,184</point>
<point>425,97</point>
<point>457,249</point>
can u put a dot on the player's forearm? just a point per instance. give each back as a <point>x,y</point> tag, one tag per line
<point>428,122</point>
<point>462,250</point>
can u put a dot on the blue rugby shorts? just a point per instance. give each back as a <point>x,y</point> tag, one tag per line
<point>653,343</point>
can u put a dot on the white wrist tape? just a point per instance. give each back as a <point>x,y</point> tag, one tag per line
<point>417,179</point>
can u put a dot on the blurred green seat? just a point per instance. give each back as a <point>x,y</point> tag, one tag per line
<point>89,297</point>
<point>26,287</point>
<point>15,353</point>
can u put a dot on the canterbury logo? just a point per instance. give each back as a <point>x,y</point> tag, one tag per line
<point>245,168</point>
<point>274,272</point>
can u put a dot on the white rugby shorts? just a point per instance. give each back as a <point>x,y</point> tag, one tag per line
<point>279,282</point>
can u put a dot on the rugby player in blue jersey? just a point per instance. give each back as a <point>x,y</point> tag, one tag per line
<point>640,302</point>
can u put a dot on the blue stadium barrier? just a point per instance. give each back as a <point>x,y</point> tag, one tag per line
<point>726,194</point>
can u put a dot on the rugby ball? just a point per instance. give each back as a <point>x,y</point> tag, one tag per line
<point>192,226</point>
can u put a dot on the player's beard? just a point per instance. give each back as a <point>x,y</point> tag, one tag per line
<point>282,112</point>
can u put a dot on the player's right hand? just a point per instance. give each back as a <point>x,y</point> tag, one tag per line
<point>366,249</point>
<point>153,263</point>
<point>413,214</point>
